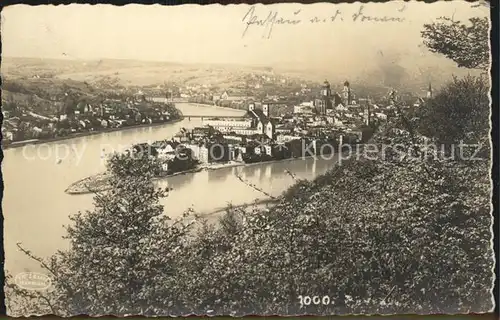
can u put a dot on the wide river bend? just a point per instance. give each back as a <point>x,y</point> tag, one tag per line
<point>35,206</point>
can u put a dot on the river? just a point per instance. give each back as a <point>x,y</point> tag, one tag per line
<point>35,206</point>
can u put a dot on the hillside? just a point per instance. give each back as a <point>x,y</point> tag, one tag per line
<point>128,72</point>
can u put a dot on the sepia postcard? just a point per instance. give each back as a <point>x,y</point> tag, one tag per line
<point>283,159</point>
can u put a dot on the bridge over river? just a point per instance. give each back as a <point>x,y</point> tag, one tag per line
<point>198,116</point>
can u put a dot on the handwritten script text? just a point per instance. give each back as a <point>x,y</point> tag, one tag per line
<point>267,21</point>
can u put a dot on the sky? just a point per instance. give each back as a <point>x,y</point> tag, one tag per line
<point>214,33</point>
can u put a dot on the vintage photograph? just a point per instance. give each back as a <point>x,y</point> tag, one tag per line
<point>283,159</point>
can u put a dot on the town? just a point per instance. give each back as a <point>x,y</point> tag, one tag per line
<point>284,118</point>
<point>23,125</point>
<point>323,125</point>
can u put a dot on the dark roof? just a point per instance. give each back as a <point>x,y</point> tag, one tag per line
<point>287,125</point>
<point>258,136</point>
<point>420,100</point>
<point>336,100</point>
<point>273,121</point>
<point>346,83</point>
<point>283,102</point>
<point>260,115</point>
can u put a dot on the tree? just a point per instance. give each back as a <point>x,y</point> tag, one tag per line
<point>122,254</point>
<point>460,111</point>
<point>137,163</point>
<point>465,44</point>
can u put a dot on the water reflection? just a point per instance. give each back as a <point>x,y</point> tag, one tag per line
<point>274,170</point>
<point>248,172</point>
<point>258,171</point>
<point>268,172</point>
<point>176,182</point>
<point>219,175</point>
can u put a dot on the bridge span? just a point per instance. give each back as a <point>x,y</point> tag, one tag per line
<point>197,116</point>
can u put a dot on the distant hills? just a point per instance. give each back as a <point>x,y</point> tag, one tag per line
<point>403,73</point>
<point>128,72</point>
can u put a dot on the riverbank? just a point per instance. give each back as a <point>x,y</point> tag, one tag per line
<point>259,202</point>
<point>19,144</point>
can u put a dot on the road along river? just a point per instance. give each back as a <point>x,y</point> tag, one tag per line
<point>35,206</point>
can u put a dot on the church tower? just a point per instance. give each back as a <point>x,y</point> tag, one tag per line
<point>429,91</point>
<point>392,97</point>
<point>366,114</point>
<point>326,95</point>
<point>346,94</point>
<point>265,109</point>
<point>326,90</point>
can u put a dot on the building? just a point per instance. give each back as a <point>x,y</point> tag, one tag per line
<point>337,102</point>
<point>304,108</point>
<point>244,126</point>
<point>7,135</point>
<point>225,125</point>
<point>324,101</point>
<point>282,138</point>
<point>139,96</point>
<point>233,97</point>
<point>233,138</point>
<point>285,128</point>
<point>346,94</point>
<point>200,132</point>
<point>421,101</point>
<point>217,152</point>
<point>429,91</point>
<point>166,152</point>
<point>203,154</point>
<point>256,121</point>
<point>157,99</point>
<point>261,119</point>
<point>366,115</point>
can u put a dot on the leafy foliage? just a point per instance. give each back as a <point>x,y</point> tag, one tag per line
<point>399,236</point>
<point>460,111</point>
<point>122,253</point>
<point>466,45</point>
<point>134,164</point>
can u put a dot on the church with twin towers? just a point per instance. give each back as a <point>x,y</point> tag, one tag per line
<point>329,101</point>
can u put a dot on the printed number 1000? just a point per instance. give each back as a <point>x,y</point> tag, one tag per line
<point>316,300</point>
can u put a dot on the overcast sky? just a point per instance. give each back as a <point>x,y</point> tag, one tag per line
<point>213,34</point>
